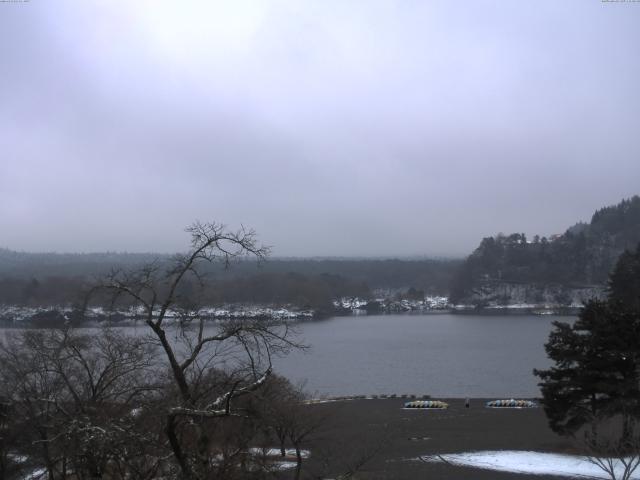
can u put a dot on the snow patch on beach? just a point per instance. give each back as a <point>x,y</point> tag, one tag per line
<point>275,452</point>
<point>37,474</point>
<point>280,466</point>
<point>536,463</point>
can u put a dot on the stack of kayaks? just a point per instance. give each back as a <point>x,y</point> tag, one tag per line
<point>511,403</point>
<point>426,404</point>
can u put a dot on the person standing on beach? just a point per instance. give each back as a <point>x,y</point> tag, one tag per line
<point>466,402</point>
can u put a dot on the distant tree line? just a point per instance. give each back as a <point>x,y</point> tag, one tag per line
<point>430,274</point>
<point>263,288</point>
<point>47,291</point>
<point>583,255</point>
<point>60,279</point>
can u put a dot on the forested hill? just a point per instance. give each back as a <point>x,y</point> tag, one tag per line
<point>37,279</point>
<point>581,258</point>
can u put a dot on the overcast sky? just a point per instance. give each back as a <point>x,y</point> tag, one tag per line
<point>349,128</point>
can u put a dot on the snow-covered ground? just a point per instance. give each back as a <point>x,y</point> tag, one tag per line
<point>275,452</point>
<point>37,474</point>
<point>386,302</point>
<point>536,463</point>
<point>16,314</point>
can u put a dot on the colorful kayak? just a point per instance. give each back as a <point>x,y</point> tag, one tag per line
<point>511,403</point>
<point>426,404</point>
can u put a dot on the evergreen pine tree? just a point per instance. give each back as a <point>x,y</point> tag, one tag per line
<point>596,371</point>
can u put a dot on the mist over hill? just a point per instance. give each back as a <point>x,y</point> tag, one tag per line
<point>568,268</point>
<point>503,270</point>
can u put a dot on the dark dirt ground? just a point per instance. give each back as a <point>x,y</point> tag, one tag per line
<point>353,428</point>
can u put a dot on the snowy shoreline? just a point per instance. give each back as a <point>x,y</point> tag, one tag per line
<point>14,315</point>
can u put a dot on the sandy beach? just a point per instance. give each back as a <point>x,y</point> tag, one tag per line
<point>357,426</point>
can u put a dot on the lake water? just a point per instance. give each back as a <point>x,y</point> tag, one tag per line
<point>442,355</point>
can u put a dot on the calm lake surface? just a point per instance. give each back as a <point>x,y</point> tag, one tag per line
<point>442,355</point>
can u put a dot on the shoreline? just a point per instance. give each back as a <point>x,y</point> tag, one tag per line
<point>411,397</point>
<point>408,434</point>
<point>12,315</point>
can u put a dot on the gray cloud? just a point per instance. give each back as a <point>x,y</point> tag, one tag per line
<point>332,127</point>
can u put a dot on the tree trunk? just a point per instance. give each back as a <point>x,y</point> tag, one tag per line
<point>283,450</point>
<point>178,374</point>
<point>170,430</point>
<point>298,462</point>
<point>203,450</point>
<point>47,454</point>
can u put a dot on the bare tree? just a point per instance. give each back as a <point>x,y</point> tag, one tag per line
<point>613,447</point>
<point>211,364</point>
<point>8,438</point>
<point>174,403</point>
<point>303,422</point>
<point>71,396</point>
<point>287,419</point>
